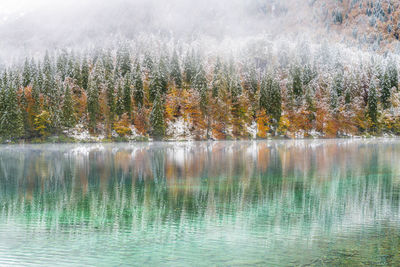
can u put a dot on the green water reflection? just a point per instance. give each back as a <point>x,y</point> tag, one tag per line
<point>267,203</point>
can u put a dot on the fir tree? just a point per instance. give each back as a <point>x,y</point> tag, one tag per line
<point>156,84</point>
<point>385,90</point>
<point>119,107</point>
<point>11,121</point>
<point>93,104</point>
<point>217,79</point>
<point>297,87</point>
<point>157,118</point>
<point>138,93</point>
<point>84,74</point>
<point>127,96</point>
<point>27,74</point>
<point>393,74</point>
<point>373,105</point>
<point>176,75</point>
<point>68,116</point>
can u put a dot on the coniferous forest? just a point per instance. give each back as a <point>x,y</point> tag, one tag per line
<point>130,91</point>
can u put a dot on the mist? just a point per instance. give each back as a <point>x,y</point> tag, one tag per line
<point>29,27</point>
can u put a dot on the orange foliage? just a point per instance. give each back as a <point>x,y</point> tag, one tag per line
<point>262,124</point>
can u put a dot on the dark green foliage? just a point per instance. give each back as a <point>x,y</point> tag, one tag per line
<point>138,92</point>
<point>157,118</point>
<point>68,116</point>
<point>156,84</point>
<point>297,88</point>
<point>119,107</point>
<point>26,74</point>
<point>127,96</point>
<point>250,82</point>
<point>270,98</point>
<point>373,104</point>
<point>176,74</point>
<point>84,82</point>
<point>93,104</point>
<point>11,120</point>
<point>217,78</point>
<point>385,90</point>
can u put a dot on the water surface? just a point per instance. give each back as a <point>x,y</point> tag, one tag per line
<point>266,203</point>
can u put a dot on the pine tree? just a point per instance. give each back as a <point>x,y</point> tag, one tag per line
<point>176,75</point>
<point>250,79</point>
<point>138,93</point>
<point>386,90</point>
<point>157,119</point>
<point>84,74</point>
<point>93,104</point>
<point>189,68</point>
<point>338,84</point>
<point>217,79</point>
<point>373,105</point>
<point>68,115</point>
<point>127,96</point>
<point>123,60</point>
<point>270,98</point>
<point>156,84</point>
<point>393,74</point>
<point>119,107</point>
<point>297,87</point>
<point>26,75</point>
<point>48,80</point>
<point>11,121</point>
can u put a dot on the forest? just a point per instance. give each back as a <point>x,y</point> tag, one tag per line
<point>163,90</point>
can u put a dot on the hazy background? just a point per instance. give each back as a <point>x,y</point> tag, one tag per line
<point>28,27</point>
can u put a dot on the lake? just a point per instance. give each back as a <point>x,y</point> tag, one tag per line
<point>255,203</point>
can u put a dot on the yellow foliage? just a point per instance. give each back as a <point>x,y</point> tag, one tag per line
<point>262,124</point>
<point>283,125</point>
<point>42,123</point>
<point>121,127</point>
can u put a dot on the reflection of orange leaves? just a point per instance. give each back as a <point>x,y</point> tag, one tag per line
<point>123,160</point>
<point>263,157</point>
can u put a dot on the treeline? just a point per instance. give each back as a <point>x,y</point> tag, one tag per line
<point>126,91</point>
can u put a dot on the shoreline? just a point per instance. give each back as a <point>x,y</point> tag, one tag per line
<point>55,140</point>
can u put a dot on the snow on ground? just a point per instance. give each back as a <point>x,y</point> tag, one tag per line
<point>178,130</point>
<point>252,130</point>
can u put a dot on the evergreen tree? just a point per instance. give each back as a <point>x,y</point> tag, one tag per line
<point>127,96</point>
<point>250,79</point>
<point>217,78</point>
<point>297,87</point>
<point>270,98</point>
<point>93,104</point>
<point>84,74</point>
<point>138,93</point>
<point>68,116</point>
<point>393,74</point>
<point>176,75</point>
<point>119,107</point>
<point>385,90</point>
<point>26,75</point>
<point>338,84</point>
<point>123,60</point>
<point>11,121</point>
<point>157,118</point>
<point>373,105</point>
<point>156,84</point>
<point>189,68</point>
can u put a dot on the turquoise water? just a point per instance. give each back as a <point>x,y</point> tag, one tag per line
<point>265,203</point>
